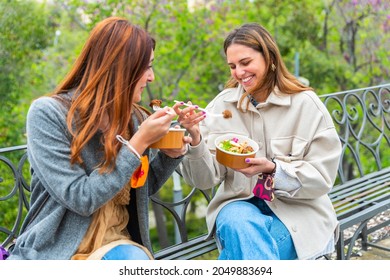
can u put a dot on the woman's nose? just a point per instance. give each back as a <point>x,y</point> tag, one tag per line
<point>151,76</point>
<point>240,71</point>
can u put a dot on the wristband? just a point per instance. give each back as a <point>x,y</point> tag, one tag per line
<point>265,185</point>
<point>122,140</point>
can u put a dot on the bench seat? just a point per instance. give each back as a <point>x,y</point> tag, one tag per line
<point>187,250</point>
<point>356,202</point>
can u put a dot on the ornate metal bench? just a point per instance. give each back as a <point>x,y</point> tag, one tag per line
<point>362,189</point>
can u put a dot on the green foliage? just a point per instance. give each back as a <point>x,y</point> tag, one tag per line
<point>190,64</point>
<point>25,32</point>
<point>57,58</point>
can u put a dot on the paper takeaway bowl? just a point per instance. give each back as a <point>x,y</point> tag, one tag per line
<point>231,159</point>
<point>172,140</point>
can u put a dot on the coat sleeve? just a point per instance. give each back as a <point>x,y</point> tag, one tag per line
<point>317,170</point>
<point>70,185</point>
<point>199,167</point>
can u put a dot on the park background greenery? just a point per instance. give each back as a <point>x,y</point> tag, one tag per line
<point>335,44</point>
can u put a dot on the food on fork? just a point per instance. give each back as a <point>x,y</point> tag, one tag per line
<point>156,106</point>
<point>155,102</point>
<point>226,113</point>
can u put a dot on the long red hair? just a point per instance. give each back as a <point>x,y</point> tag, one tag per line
<point>113,59</point>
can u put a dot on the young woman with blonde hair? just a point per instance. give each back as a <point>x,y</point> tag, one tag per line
<point>299,152</point>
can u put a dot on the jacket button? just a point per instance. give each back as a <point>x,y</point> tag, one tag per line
<point>294,228</point>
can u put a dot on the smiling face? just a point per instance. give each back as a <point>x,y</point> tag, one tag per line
<point>146,78</point>
<point>247,65</point>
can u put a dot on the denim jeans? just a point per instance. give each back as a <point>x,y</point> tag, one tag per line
<point>125,252</point>
<point>249,230</point>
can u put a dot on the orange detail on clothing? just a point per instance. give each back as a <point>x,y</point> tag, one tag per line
<point>141,173</point>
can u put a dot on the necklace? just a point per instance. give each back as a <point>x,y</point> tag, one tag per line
<point>252,100</point>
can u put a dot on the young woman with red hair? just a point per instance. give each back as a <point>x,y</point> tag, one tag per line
<point>89,192</point>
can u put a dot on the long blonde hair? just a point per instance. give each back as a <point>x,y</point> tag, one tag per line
<point>258,38</point>
<point>104,76</point>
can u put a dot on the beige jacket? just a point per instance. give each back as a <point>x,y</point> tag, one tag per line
<point>295,129</point>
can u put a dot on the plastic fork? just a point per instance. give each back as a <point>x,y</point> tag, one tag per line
<point>157,108</point>
<point>199,108</point>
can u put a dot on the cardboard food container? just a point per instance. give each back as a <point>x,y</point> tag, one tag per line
<point>172,140</point>
<point>233,159</point>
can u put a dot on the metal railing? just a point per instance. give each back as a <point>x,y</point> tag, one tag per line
<point>362,120</point>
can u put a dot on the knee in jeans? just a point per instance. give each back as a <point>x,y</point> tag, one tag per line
<point>239,215</point>
<point>125,252</point>
<point>231,216</point>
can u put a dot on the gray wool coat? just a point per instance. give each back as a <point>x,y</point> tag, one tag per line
<point>64,196</point>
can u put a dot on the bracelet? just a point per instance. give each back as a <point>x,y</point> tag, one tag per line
<point>124,141</point>
<point>133,150</point>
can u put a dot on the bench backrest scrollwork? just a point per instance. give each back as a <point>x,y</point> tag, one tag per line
<point>14,190</point>
<point>362,120</point>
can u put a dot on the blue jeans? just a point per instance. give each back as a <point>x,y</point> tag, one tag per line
<point>126,252</point>
<point>249,230</point>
